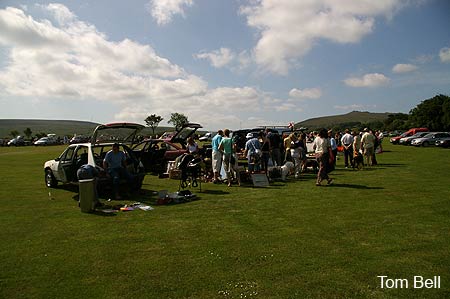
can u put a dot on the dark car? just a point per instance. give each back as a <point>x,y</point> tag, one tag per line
<point>443,143</point>
<point>18,141</point>
<point>155,153</point>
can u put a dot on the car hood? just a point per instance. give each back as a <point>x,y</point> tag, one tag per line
<point>116,132</point>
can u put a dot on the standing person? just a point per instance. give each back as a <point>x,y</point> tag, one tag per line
<point>297,156</point>
<point>356,147</point>
<point>303,150</point>
<point>380,137</point>
<point>368,145</point>
<point>347,143</point>
<point>216,156</point>
<point>116,167</point>
<point>287,147</point>
<point>229,161</point>
<point>275,148</point>
<point>322,147</point>
<point>265,149</point>
<point>333,144</point>
<point>252,149</point>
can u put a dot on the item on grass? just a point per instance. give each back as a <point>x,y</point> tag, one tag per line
<point>126,209</point>
<point>260,180</point>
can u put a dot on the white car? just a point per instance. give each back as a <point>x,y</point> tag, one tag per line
<point>207,137</point>
<point>64,168</point>
<point>45,141</point>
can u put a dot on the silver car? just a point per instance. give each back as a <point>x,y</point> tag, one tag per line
<point>430,138</point>
<point>407,140</point>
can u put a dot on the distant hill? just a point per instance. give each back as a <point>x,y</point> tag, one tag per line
<point>351,119</point>
<point>59,127</point>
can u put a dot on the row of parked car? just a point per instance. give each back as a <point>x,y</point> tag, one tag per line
<point>422,137</point>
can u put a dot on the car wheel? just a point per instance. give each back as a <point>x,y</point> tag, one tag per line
<point>425,143</point>
<point>50,180</point>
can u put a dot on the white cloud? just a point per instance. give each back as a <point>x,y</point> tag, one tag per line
<point>218,58</point>
<point>368,80</point>
<point>404,68</point>
<point>289,29</point>
<point>307,93</point>
<point>60,12</point>
<point>164,10</point>
<point>421,59</point>
<point>72,61</point>
<point>444,55</point>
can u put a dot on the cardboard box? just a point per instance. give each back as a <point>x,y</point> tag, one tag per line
<point>175,174</point>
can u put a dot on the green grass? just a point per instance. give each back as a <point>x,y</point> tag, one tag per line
<point>290,240</point>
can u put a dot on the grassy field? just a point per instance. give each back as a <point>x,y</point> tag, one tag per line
<point>290,240</point>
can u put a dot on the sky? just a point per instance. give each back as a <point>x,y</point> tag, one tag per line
<point>224,64</point>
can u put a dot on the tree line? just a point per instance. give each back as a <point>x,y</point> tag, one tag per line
<point>433,113</point>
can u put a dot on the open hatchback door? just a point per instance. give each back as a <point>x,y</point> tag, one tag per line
<point>186,131</point>
<point>116,132</point>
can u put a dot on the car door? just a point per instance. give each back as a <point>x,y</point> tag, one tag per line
<point>66,165</point>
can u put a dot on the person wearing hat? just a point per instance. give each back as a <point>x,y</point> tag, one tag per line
<point>253,152</point>
<point>368,145</point>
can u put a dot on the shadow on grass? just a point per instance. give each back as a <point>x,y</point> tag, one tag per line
<point>215,192</point>
<point>354,186</point>
<point>391,164</point>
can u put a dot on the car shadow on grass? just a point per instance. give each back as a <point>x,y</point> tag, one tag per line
<point>354,186</point>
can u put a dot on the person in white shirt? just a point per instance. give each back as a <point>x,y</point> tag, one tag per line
<point>192,146</point>
<point>322,147</point>
<point>347,143</point>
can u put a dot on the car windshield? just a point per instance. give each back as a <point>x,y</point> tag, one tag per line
<point>429,135</point>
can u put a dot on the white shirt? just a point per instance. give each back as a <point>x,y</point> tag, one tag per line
<point>321,145</point>
<point>347,139</point>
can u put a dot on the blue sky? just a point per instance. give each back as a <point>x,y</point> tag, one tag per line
<point>224,64</point>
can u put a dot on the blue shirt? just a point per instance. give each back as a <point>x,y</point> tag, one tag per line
<point>114,160</point>
<point>251,146</point>
<point>215,142</point>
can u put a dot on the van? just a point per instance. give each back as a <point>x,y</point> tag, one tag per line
<point>410,132</point>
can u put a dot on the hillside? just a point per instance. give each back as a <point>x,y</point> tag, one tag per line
<point>58,127</point>
<point>354,118</point>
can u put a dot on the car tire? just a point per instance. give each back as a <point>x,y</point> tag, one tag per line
<point>425,144</point>
<point>50,180</point>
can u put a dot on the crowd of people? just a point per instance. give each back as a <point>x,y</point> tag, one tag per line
<point>268,148</point>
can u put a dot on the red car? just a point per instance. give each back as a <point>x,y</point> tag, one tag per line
<point>410,132</point>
